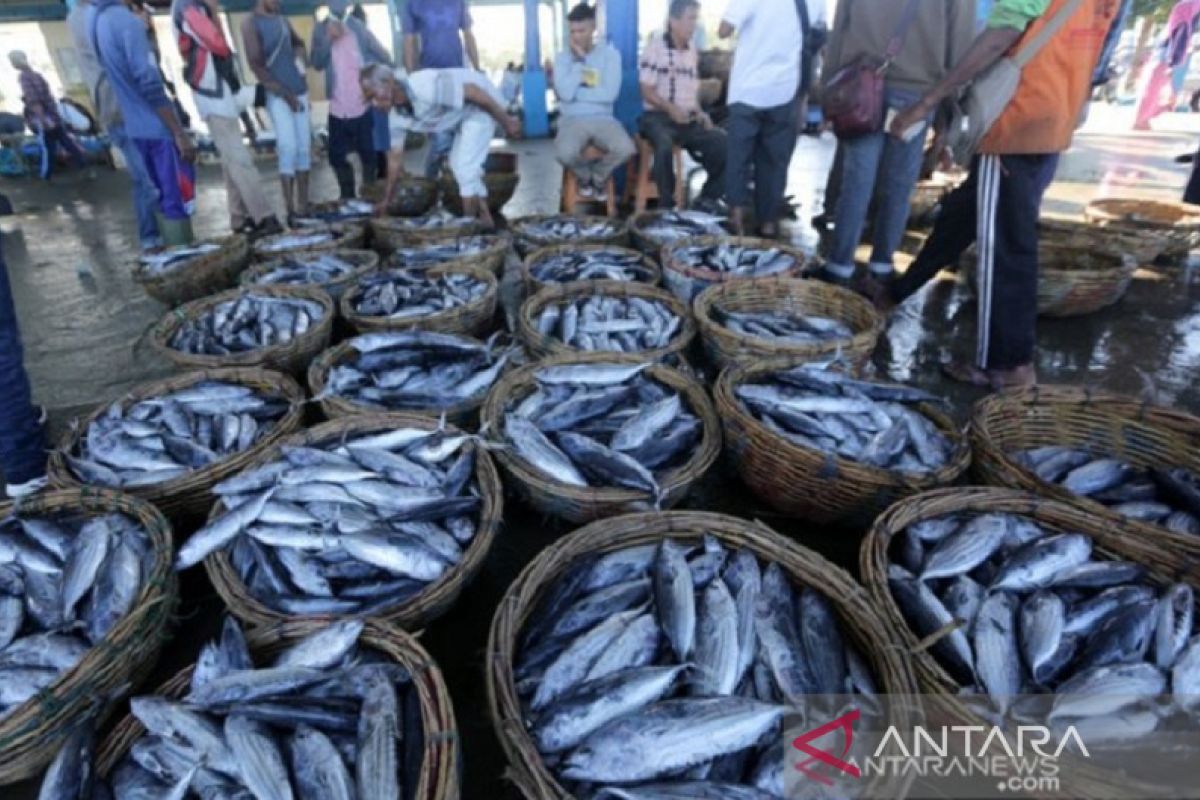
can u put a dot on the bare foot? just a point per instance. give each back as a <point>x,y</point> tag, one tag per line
<point>997,379</point>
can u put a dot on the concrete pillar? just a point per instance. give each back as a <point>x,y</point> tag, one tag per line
<point>621,24</point>
<point>533,87</point>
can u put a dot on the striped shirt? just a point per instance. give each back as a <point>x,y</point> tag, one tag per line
<point>673,72</point>
<point>35,91</point>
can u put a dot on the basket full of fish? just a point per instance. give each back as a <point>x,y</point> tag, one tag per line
<point>583,439</point>
<point>169,441</point>
<point>485,250</point>
<point>349,235</point>
<point>606,317</point>
<point>387,516</point>
<point>274,327</point>
<point>319,215</point>
<point>652,230</point>
<point>1175,225</point>
<point>331,270</point>
<point>188,272</point>
<point>1021,610</point>
<point>1115,456</point>
<point>354,710</point>
<point>451,299</point>
<point>390,233</point>
<point>418,371</point>
<point>567,263</point>
<point>741,321</point>
<point>822,445</point>
<point>545,230</point>
<point>412,196</point>
<point>86,592</point>
<point>653,656</point>
<point>692,265</point>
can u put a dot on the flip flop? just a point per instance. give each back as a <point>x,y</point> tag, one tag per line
<point>967,373</point>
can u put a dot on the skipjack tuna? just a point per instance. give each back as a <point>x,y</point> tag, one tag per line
<point>871,423</point>
<point>296,241</point>
<point>439,251</point>
<point>307,268</point>
<point>612,264</point>
<point>65,581</point>
<point>327,718</point>
<point>166,437</point>
<point>415,370</point>
<point>347,210</point>
<point>783,326</point>
<point>247,323</point>
<point>735,259</point>
<point>354,526</point>
<point>1169,497</point>
<point>602,425</point>
<point>565,227</point>
<point>672,665</point>
<point>609,323</point>
<point>671,225</point>
<point>404,294</point>
<point>1032,610</point>
<point>173,258</point>
<point>439,218</point>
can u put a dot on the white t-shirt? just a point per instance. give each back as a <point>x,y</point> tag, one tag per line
<point>437,99</point>
<point>766,63</point>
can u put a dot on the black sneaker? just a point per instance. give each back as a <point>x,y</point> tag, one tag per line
<point>710,206</point>
<point>268,227</point>
<point>825,276</point>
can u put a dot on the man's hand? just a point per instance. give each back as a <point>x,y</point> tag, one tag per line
<point>678,115</point>
<point>576,50</point>
<point>512,126</point>
<point>187,150</point>
<point>293,102</point>
<point>705,120</point>
<point>906,119</point>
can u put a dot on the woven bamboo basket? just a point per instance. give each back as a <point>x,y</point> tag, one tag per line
<point>1165,563</point>
<point>649,244</point>
<point>30,736</point>
<point>188,496</point>
<point>200,276</point>
<point>815,485</point>
<point>527,242</point>
<point>580,505</point>
<point>687,282</point>
<point>472,319</point>
<point>463,414</point>
<point>785,295</point>
<point>531,261</point>
<point>413,196</point>
<point>1122,427</point>
<point>347,236</point>
<point>389,233</point>
<point>441,765</point>
<point>1076,233</point>
<point>540,345</point>
<point>501,186</point>
<point>364,261</point>
<point>292,358</point>
<point>1177,223</point>
<point>491,258</point>
<point>415,612</point>
<point>863,626</point>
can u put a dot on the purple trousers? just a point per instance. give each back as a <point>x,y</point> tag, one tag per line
<point>174,178</point>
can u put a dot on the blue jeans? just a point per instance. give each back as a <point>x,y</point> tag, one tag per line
<point>882,167</point>
<point>22,440</point>
<point>145,195</point>
<point>761,141</point>
<point>440,143</point>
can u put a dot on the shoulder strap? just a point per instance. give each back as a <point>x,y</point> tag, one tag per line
<point>286,36</point>
<point>901,33</point>
<point>1043,37</point>
<point>802,10</point>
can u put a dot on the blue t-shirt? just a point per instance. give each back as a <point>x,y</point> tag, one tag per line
<point>437,23</point>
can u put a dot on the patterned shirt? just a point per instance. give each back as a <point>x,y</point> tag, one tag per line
<point>35,91</point>
<point>673,72</point>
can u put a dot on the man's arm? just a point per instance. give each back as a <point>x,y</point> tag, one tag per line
<point>471,47</point>
<point>567,76</point>
<point>411,45</point>
<point>374,46</point>
<point>257,59</point>
<point>482,98</point>
<point>148,83</point>
<point>610,80</point>
<point>321,46</point>
<point>395,172</point>
<point>205,30</point>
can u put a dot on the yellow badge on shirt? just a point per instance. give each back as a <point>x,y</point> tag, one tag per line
<point>591,77</point>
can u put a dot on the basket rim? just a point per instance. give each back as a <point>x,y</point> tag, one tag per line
<point>619,232</point>
<point>1107,209</point>
<point>536,256</point>
<point>234,244</point>
<point>347,230</point>
<point>370,257</point>
<point>485,276</point>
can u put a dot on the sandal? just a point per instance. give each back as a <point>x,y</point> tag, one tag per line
<point>963,372</point>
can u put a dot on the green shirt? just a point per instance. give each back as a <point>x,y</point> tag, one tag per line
<point>1016,13</point>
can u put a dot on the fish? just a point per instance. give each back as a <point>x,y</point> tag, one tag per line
<point>734,259</point>
<point>961,552</point>
<point>173,259</point>
<point>307,269</point>
<point>1043,618</point>
<point>717,651</point>
<point>346,210</point>
<point>165,437</point>
<point>1036,564</point>
<point>441,251</point>
<point>415,370</point>
<point>1174,619</point>
<point>675,599</point>
<point>597,263</point>
<point>310,237</point>
<point>406,294</point>
<point>395,513</point>
<point>997,658</point>
<point>778,326</point>
<point>437,219</point>
<point>251,321</point>
<point>606,323</point>
<point>927,616</point>
<point>669,226</point>
<point>1106,689</point>
<point>70,774</point>
<point>561,229</point>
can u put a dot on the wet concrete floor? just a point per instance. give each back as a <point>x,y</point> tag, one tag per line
<point>70,248</point>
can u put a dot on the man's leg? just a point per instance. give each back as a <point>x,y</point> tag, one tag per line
<point>145,195</point>
<point>282,120</point>
<point>660,132</point>
<point>573,135</point>
<point>440,143</point>
<point>710,147</point>
<point>49,153</point>
<point>22,440</point>
<point>381,141</point>
<point>69,142</point>
<point>341,133</point>
<point>239,165</point>
<point>860,166</point>
<point>953,232</point>
<point>366,146</point>
<point>772,157</point>
<point>161,160</point>
<point>1192,193</point>
<point>744,126</point>
<point>1010,197</point>
<point>898,173</point>
<point>238,215</point>
<point>467,157</point>
<point>618,148</point>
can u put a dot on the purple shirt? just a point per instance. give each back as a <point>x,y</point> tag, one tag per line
<point>437,23</point>
<point>35,91</point>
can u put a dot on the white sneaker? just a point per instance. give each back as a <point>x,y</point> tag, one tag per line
<point>16,491</point>
<point>600,193</point>
<point>586,192</point>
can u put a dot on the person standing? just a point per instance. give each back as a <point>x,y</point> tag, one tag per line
<point>210,71</point>
<point>276,55</point>
<point>42,117</point>
<point>341,47</point>
<point>669,74</point>
<point>23,444</point>
<point>432,40</point>
<point>997,207</point>
<point>933,36</point>
<point>587,79</point>
<point>763,95</point>
<point>108,113</point>
<point>1165,73</point>
<point>460,102</point>
<point>119,40</point>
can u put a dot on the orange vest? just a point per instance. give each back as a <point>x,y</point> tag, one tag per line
<point>1055,84</point>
